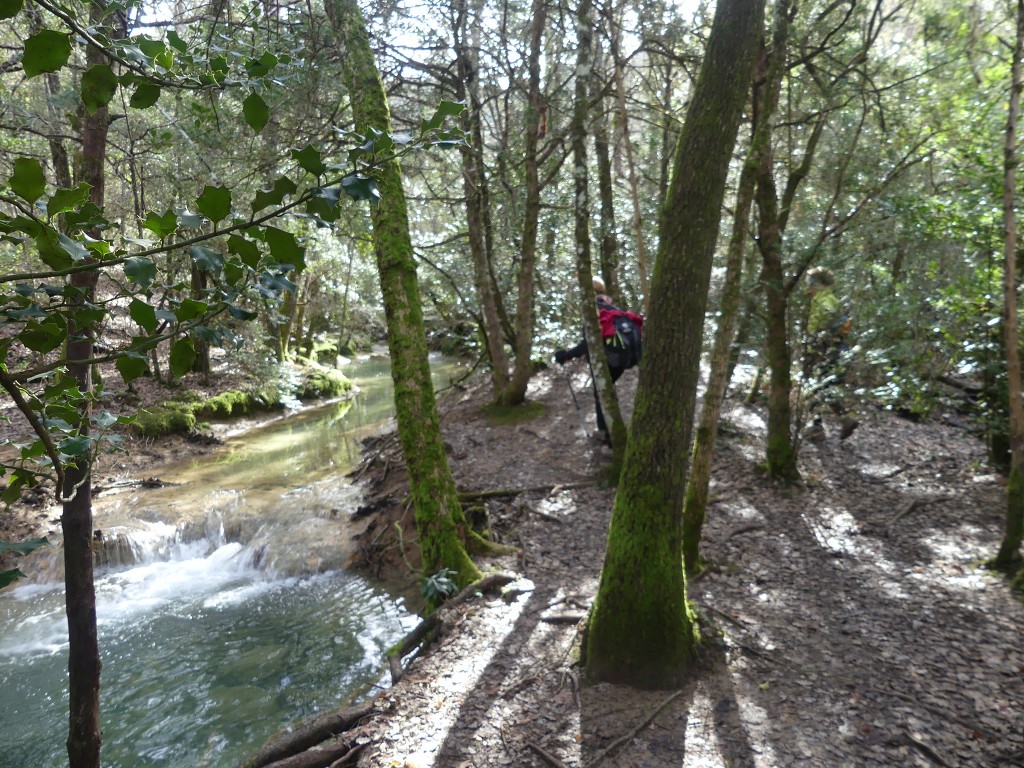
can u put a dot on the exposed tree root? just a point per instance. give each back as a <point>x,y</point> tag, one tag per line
<point>289,745</point>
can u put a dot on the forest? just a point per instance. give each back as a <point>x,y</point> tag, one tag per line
<point>189,187</point>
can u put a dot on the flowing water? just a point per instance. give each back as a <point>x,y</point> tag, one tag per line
<point>223,614</point>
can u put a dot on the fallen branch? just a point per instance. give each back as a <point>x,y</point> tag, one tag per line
<point>338,752</point>
<point>547,756</point>
<point>607,751</point>
<point>925,750</point>
<point>913,504</point>
<point>309,735</point>
<point>465,496</point>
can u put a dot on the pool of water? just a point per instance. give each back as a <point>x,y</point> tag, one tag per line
<point>230,619</point>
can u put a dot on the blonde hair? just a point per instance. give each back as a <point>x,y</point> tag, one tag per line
<point>598,284</point>
<point>820,277</point>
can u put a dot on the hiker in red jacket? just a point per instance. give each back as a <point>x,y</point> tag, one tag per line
<point>621,332</point>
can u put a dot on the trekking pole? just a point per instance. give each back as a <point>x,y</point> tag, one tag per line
<point>579,413</point>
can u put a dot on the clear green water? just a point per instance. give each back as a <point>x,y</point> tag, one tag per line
<point>205,656</point>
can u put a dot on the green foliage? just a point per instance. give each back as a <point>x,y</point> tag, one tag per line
<point>439,587</point>
<point>9,576</point>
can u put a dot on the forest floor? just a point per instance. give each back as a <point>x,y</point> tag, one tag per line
<point>847,621</point>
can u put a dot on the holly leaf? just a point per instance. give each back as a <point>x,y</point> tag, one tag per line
<point>161,226</point>
<point>45,51</point>
<point>139,270</point>
<point>360,187</point>
<point>28,181</point>
<point>246,249</point>
<point>131,366</point>
<point>215,203</point>
<point>309,159</point>
<point>256,112</point>
<point>207,259</point>
<point>145,96</point>
<point>285,249</point>
<point>10,8</point>
<point>98,87</point>
<point>445,110</point>
<point>143,314</point>
<point>66,199</point>
<point>190,309</point>
<point>283,186</point>
<point>183,354</point>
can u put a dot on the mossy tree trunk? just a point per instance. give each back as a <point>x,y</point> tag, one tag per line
<point>641,631</point>
<point>1009,551</point>
<point>440,521</point>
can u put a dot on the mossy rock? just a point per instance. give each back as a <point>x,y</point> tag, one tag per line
<point>169,418</point>
<point>501,415</point>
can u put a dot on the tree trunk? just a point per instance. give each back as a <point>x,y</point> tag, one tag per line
<point>641,630</point>
<point>84,735</point>
<point>440,521</point>
<point>515,392</point>
<point>608,239</point>
<point>474,185</point>
<point>1009,551</point>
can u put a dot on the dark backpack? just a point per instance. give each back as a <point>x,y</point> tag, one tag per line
<point>622,334</point>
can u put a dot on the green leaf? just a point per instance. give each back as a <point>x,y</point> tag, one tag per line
<point>73,248</point>
<point>246,249</point>
<point>10,576</point>
<point>444,110</point>
<point>323,209</point>
<point>50,251</point>
<point>24,547</point>
<point>161,226</point>
<point>183,354</point>
<point>309,159</point>
<point>143,314</point>
<point>98,87</point>
<point>256,112</point>
<point>28,180</point>
<point>215,202</point>
<point>66,199</point>
<point>283,186</point>
<point>360,187</point>
<point>45,51</point>
<point>241,314</point>
<point>261,66</point>
<point>176,42</point>
<point>207,259</point>
<point>131,366</point>
<point>145,96</point>
<point>10,8</point>
<point>42,337</point>
<point>190,309</point>
<point>75,446</point>
<point>140,271</point>
<point>284,248</point>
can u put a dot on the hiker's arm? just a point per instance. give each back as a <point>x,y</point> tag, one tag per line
<point>572,353</point>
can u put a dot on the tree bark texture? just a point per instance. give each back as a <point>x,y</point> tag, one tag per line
<point>474,185</point>
<point>1009,549</point>
<point>440,521</point>
<point>767,84</point>
<point>515,392</point>
<point>591,329</point>
<point>641,630</point>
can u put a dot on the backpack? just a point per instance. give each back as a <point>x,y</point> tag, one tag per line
<point>841,325</point>
<point>621,331</point>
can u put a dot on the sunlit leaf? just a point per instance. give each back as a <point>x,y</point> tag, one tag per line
<point>309,159</point>
<point>161,226</point>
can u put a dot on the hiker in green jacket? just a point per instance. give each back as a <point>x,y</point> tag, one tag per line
<point>824,359</point>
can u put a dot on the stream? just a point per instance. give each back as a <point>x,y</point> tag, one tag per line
<point>222,610</point>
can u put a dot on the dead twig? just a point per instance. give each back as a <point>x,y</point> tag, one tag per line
<point>925,750</point>
<point>913,504</point>
<point>546,756</point>
<point>607,751</point>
